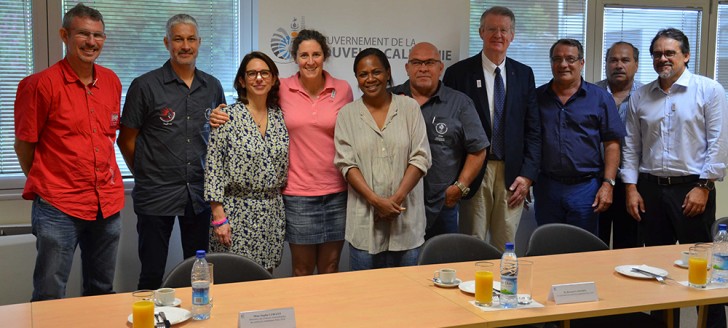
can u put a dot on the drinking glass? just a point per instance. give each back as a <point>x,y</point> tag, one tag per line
<point>525,279</point>
<point>483,283</point>
<point>143,308</point>
<point>698,266</point>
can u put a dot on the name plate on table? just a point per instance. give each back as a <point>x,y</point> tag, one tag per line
<point>573,293</point>
<point>275,318</point>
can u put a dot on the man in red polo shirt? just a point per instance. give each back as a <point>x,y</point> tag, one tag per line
<point>66,119</point>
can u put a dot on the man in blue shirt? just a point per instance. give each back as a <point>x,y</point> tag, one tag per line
<point>577,120</point>
<point>615,223</point>
<point>676,147</point>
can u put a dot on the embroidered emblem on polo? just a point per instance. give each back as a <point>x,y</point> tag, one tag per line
<point>208,111</point>
<point>166,115</point>
<point>441,128</point>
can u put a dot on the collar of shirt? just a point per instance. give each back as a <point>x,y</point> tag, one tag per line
<point>405,89</point>
<point>71,77</point>
<point>170,76</point>
<point>489,66</point>
<point>298,87</point>
<point>579,93</point>
<point>682,81</point>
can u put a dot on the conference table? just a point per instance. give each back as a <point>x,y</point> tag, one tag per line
<point>406,296</point>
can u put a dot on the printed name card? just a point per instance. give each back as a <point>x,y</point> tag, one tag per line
<point>275,318</point>
<point>574,293</point>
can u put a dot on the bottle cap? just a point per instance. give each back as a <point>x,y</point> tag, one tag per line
<point>200,254</point>
<point>510,246</point>
<point>721,226</point>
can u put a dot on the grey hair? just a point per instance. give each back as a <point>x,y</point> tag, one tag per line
<point>81,10</point>
<point>181,19</point>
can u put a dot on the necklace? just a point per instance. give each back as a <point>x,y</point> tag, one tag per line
<point>258,122</point>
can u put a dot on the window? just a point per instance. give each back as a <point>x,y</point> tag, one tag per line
<point>136,29</point>
<point>539,24</point>
<point>721,53</point>
<point>638,26</point>
<point>16,56</point>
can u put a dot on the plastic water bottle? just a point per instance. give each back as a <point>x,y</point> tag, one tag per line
<point>200,288</point>
<point>509,278</point>
<point>720,257</point>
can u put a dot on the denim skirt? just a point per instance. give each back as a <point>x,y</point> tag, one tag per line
<point>314,220</point>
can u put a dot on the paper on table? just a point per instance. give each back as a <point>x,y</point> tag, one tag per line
<point>533,304</point>
<point>708,287</point>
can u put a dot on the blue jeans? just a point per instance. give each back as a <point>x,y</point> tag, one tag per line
<point>362,260</point>
<point>557,202</point>
<point>446,222</point>
<point>57,235</point>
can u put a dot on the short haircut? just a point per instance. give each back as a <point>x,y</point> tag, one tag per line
<point>273,100</point>
<point>83,11</point>
<point>568,42</point>
<point>499,11</point>
<point>314,35</point>
<point>180,19</point>
<point>635,51</point>
<point>382,58</point>
<point>676,35</point>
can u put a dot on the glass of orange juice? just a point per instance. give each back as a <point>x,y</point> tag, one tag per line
<point>483,283</point>
<point>698,266</point>
<point>143,308</point>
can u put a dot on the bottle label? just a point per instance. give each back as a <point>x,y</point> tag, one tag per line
<point>720,262</point>
<point>509,286</point>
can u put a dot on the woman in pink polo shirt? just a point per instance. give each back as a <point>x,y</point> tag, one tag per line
<point>315,196</point>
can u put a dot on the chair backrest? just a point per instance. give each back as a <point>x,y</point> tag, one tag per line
<point>455,247</point>
<point>560,238</point>
<point>714,227</point>
<point>229,268</point>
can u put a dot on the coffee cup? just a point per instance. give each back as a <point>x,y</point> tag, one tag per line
<point>446,276</point>
<point>164,296</point>
<point>684,257</point>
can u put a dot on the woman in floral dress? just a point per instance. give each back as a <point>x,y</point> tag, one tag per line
<point>247,163</point>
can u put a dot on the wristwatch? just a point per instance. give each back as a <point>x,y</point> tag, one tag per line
<point>463,188</point>
<point>611,182</point>
<point>705,184</point>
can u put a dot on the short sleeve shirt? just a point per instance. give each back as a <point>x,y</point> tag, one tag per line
<point>174,129</point>
<point>74,128</point>
<point>573,132</point>
<point>453,131</point>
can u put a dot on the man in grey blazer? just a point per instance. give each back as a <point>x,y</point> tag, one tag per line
<point>509,112</point>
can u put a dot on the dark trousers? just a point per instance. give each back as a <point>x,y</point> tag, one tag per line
<point>616,223</point>
<point>663,223</point>
<point>446,222</point>
<point>154,232</point>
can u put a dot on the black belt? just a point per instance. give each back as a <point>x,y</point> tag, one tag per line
<point>573,180</point>
<point>666,181</point>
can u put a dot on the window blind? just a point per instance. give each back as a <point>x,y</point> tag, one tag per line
<point>721,53</point>
<point>539,24</point>
<point>639,25</point>
<point>16,56</point>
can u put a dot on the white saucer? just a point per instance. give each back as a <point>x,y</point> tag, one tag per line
<point>176,302</point>
<point>469,286</point>
<point>174,315</point>
<point>627,271</point>
<point>681,264</point>
<point>455,283</point>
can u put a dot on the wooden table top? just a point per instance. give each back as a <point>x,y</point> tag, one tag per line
<point>404,297</point>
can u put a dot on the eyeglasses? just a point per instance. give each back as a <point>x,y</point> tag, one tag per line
<point>427,63</point>
<point>494,30</point>
<point>569,60</point>
<point>83,34</point>
<point>252,75</point>
<point>668,54</point>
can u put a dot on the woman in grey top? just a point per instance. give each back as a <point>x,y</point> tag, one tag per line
<point>382,151</point>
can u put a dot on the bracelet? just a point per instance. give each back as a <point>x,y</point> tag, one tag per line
<point>216,224</point>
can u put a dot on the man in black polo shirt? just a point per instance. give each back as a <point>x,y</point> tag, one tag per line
<point>163,138</point>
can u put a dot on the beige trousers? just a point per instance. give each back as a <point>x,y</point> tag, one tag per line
<point>487,213</point>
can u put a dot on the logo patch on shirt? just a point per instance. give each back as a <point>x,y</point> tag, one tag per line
<point>441,128</point>
<point>166,115</point>
<point>115,121</point>
<point>208,111</point>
